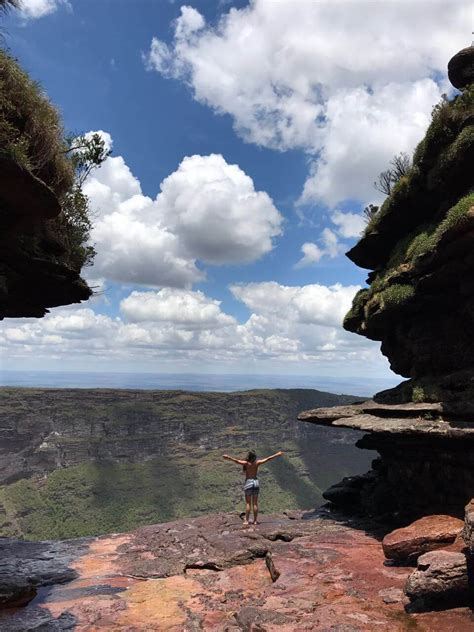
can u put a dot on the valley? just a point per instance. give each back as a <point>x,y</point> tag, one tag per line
<point>77,462</point>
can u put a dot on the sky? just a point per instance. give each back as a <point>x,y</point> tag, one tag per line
<point>246,138</point>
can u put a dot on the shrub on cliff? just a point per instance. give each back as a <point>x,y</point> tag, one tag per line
<point>400,167</point>
<point>30,128</point>
<point>32,134</point>
<point>440,164</point>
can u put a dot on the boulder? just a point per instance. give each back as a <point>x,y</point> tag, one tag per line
<point>423,535</point>
<point>461,68</point>
<point>440,575</point>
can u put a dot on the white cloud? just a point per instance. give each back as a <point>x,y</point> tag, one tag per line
<point>207,210</point>
<point>180,307</point>
<point>363,130</point>
<point>348,84</point>
<point>312,253</point>
<point>215,211</point>
<point>309,304</point>
<point>349,225</point>
<point>182,329</point>
<point>33,9</point>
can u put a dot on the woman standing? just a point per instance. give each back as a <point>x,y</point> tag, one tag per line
<point>252,486</point>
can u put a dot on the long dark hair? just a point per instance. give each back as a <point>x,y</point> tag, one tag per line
<point>251,458</point>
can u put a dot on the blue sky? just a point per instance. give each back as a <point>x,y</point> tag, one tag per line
<point>286,117</point>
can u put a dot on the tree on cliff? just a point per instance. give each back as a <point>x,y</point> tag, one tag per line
<point>400,166</point>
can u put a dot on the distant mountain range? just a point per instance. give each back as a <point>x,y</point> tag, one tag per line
<point>221,382</point>
<point>78,462</point>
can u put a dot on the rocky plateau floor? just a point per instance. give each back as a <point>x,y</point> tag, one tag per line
<point>211,573</point>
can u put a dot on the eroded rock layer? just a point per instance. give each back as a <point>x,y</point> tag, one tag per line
<point>425,463</point>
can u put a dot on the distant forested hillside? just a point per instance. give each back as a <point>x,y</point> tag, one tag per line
<point>80,462</point>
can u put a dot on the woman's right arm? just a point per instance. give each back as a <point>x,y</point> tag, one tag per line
<point>231,458</point>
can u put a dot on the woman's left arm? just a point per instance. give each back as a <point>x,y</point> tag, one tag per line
<point>269,458</point>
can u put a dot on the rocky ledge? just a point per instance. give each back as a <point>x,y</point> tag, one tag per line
<point>305,571</point>
<point>34,274</point>
<point>425,461</point>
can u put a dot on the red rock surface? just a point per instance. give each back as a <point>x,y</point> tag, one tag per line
<point>209,573</point>
<point>423,535</point>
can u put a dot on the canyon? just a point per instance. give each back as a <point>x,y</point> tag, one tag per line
<point>77,462</point>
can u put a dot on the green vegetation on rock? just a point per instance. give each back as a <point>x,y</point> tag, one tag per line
<point>419,246</point>
<point>32,135</point>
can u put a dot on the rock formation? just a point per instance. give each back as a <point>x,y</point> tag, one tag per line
<point>424,535</point>
<point>43,219</point>
<point>420,304</point>
<point>34,274</point>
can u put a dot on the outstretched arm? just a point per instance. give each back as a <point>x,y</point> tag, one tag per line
<point>269,458</point>
<point>231,458</point>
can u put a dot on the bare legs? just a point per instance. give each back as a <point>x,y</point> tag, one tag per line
<point>255,509</point>
<point>251,502</point>
<point>248,502</point>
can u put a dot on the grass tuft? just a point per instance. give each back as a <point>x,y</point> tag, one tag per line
<point>31,131</point>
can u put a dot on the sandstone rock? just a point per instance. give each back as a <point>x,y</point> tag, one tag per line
<point>426,463</point>
<point>23,196</point>
<point>332,578</point>
<point>434,419</point>
<point>26,566</point>
<point>423,535</point>
<point>468,531</point>
<point>34,269</point>
<point>348,493</point>
<point>440,575</point>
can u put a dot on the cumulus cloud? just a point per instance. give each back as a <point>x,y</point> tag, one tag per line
<point>206,211</point>
<point>33,9</point>
<point>296,324</point>
<point>309,304</point>
<point>189,309</point>
<point>349,225</point>
<point>312,253</point>
<point>215,211</point>
<point>349,85</point>
<point>364,129</point>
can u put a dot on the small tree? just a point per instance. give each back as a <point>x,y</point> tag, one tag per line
<point>370,211</point>
<point>86,152</point>
<point>400,167</point>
